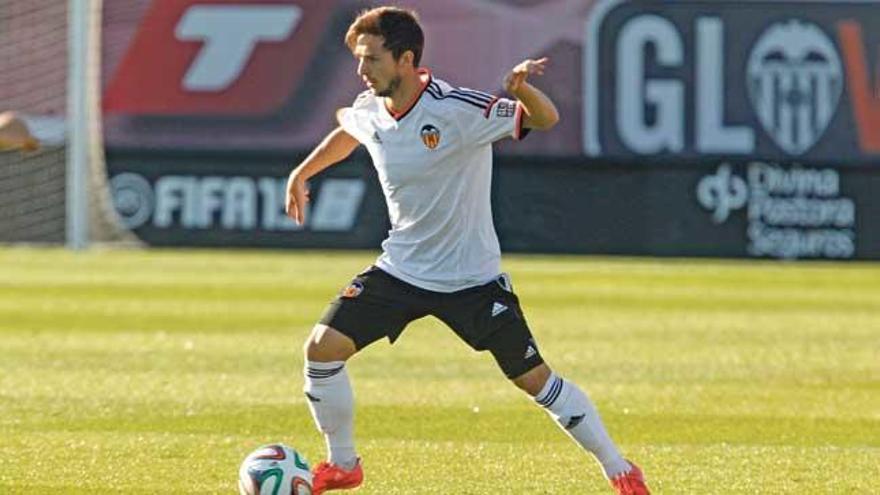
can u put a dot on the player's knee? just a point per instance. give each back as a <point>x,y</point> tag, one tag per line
<point>533,381</point>
<point>326,344</point>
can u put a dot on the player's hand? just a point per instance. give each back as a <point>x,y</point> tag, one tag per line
<point>522,71</point>
<point>297,197</point>
<point>15,135</point>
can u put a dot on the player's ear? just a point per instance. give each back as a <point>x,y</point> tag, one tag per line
<point>407,58</point>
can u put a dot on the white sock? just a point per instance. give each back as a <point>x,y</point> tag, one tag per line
<point>574,412</point>
<point>331,401</point>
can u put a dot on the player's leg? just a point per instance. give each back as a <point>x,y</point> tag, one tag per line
<point>371,307</point>
<point>575,413</point>
<point>569,407</point>
<point>327,344</point>
<point>328,390</point>
<point>490,318</point>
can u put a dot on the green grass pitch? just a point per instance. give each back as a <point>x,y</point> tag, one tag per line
<point>147,372</point>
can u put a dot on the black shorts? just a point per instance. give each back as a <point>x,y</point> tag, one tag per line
<point>486,317</point>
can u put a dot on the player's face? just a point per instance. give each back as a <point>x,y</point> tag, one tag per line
<point>376,65</point>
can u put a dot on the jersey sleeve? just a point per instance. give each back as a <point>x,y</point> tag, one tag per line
<point>501,118</point>
<point>353,119</point>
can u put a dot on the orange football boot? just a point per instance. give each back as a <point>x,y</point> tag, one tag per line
<point>631,482</point>
<point>328,476</point>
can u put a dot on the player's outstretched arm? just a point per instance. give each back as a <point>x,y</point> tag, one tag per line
<point>540,112</point>
<point>333,149</point>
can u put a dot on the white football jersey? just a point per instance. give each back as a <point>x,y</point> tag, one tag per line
<point>434,162</point>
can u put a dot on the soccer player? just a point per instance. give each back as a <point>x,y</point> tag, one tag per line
<point>431,144</point>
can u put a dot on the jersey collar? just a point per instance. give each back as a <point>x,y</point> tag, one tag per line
<point>425,76</point>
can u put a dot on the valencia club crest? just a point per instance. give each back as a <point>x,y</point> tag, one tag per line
<point>353,290</point>
<point>430,136</point>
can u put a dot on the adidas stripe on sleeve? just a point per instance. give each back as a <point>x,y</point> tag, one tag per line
<point>484,118</point>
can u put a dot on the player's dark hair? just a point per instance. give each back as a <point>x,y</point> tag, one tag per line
<point>399,27</point>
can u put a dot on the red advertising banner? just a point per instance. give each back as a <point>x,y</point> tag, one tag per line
<point>217,57</point>
<point>643,81</point>
<point>286,70</point>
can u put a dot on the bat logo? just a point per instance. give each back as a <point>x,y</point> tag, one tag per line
<point>795,81</point>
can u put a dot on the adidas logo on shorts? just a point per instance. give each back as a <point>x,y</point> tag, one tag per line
<point>498,308</point>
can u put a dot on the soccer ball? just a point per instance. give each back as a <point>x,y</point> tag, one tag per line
<point>274,470</point>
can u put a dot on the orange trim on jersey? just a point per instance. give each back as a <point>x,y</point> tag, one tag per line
<point>425,74</point>
<point>518,129</point>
